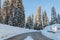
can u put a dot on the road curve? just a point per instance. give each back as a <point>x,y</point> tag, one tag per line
<point>34,35</point>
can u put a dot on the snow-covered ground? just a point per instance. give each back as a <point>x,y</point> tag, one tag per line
<point>52,31</point>
<point>10,31</point>
<point>29,38</point>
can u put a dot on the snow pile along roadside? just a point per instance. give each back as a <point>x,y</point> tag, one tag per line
<point>10,31</point>
<point>52,31</point>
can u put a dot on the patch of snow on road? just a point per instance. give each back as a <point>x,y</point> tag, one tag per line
<point>7,31</point>
<point>52,33</point>
<point>29,38</point>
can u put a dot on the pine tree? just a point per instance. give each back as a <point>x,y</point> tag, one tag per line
<point>35,24</point>
<point>12,12</point>
<point>17,16</point>
<point>44,19</point>
<point>38,22</point>
<point>32,21</point>
<point>29,23</point>
<point>58,18</point>
<point>1,16</point>
<point>6,8</point>
<point>53,16</point>
<point>0,13</point>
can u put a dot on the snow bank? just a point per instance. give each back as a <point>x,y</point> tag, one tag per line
<point>55,35</point>
<point>29,38</point>
<point>10,31</point>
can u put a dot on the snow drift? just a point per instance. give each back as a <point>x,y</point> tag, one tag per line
<point>7,31</point>
<point>52,31</point>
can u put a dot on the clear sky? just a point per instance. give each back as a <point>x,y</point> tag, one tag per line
<point>30,6</point>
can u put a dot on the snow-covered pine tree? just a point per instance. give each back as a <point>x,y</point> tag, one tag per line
<point>32,21</point>
<point>12,12</point>
<point>0,7</point>
<point>44,19</point>
<point>17,16</point>
<point>53,16</point>
<point>29,22</point>
<point>39,24</point>
<point>58,18</point>
<point>1,16</point>
<point>35,24</point>
<point>20,16</point>
<point>6,8</point>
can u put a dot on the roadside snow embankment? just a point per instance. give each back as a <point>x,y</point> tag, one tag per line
<point>10,31</point>
<point>52,31</point>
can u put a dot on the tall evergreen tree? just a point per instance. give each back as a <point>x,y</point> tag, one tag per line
<point>58,18</point>
<point>6,7</point>
<point>44,19</point>
<point>17,16</point>
<point>38,23</point>
<point>12,12</point>
<point>20,16</point>
<point>29,22</point>
<point>53,16</point>
<point>32,21</point>
<point>0,7</point>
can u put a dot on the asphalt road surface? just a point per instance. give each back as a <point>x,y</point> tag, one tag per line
<point>34,35</point>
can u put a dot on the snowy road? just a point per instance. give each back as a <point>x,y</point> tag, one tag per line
<point>34,35</point>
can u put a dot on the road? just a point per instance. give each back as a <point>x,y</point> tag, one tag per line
<point>34,35</point>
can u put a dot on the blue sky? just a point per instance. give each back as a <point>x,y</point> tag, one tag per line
<point>30,6</point>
